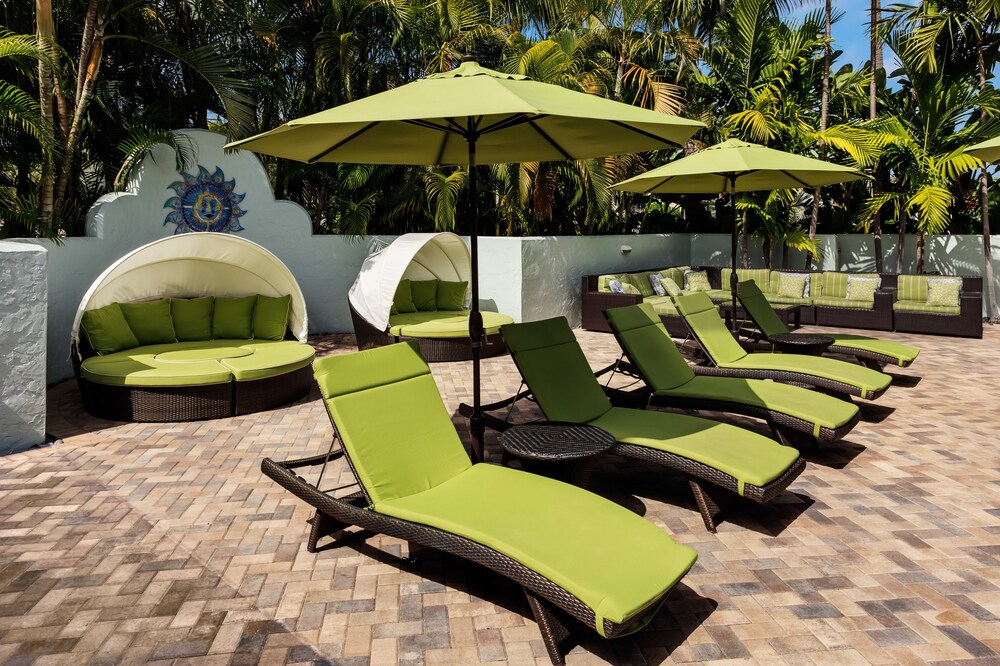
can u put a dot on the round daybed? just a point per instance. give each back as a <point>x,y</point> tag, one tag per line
<point>189,327</point>
<point>435,265</point>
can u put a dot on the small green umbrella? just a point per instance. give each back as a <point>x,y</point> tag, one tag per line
<point>987,151</point>
<point>472,115</point>
<point>737,166</point>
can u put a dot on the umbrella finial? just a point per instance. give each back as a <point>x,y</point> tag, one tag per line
<point>469,57</point>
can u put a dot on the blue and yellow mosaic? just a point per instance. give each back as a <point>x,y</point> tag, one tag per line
<point>206,202</point>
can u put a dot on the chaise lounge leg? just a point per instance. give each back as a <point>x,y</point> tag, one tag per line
<point>790,437</point>
<point>706,505</point>
<point>322,525</point>
<point>554,632</point>
<point>870,363</point>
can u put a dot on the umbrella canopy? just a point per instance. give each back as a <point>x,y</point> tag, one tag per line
<point>472,115</point>
<point>737,166</point>
<point>987,151</point>
<point>510,117</point>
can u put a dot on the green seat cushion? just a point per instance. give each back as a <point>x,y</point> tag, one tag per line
<point>269,358</point>
<point>150,321</point>
<point>614,561</point>
<point>402,300</point>
<point>451,295</point>
<point>720,295</point>
<point>923,306</point>
<point>391,420</point>
<point>871,381</point>
<point>911,288</point>
<point>192,318</point>
<point>904,354</point>
<point>839,302</point>
<point>270,317</point>
<point>661,304</point>
<point>744,455</point>
<point>940,291</point>
<point>445,324</point>
<point>787,300</point>
<point>424,294</point>
<point>811,406</point>
<point>106,330</point>
<point>232,318</point>
<point>648,345</point>
<point>138,367</point>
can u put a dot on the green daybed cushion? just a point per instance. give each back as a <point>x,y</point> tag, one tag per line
<point>270,317</point>
<point>424,294</point>
<point>232,318</point>
<point>150,321</point>
<point>726,352</point>
<point>197,363</point>
<point>442,324</point>
<point>192,318</point>
<point>614,561</point>
<point>106,330</point>
<point>402,300</point>
<point>559,376</point>
<point>904,354</point>
<point>411,463</point>
<point>451,295</point>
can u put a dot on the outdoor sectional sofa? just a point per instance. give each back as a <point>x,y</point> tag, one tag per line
<point>149,344</point>
<point>889,307</point>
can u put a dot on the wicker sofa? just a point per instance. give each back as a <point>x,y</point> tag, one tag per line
<point>912,313</point>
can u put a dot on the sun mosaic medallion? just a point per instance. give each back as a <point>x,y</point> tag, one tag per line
<point>206,202</point>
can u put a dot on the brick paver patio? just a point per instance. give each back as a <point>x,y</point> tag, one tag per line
<point>126,543</point>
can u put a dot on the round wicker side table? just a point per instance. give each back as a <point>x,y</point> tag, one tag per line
<point>801,343</point>
<point>555,443</point>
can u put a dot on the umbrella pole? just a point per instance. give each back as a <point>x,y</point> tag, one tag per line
<point>476,425</point>
<point>732,276</point>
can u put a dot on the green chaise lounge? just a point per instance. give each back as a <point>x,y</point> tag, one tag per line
<point>673,383</point>
<point>731,360</point>
<point>568,548</point>
<point>558,375</point>
<point>870,352</point>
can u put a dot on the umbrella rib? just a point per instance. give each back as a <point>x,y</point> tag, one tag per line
<point>648,135</point>
<point>341,143</point>
<point>797,180</point>
<point>566,156</point>
<point>437,128</point>
<point>510,121</point>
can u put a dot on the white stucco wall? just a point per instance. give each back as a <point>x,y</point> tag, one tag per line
<point>23,317</point>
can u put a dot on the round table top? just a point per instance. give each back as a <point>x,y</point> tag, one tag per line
<point>803,339</point>
<point>555,441</point>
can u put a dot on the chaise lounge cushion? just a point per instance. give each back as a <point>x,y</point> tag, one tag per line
<point>904,354</point>
<point>442,324</point>
<point>150,321</point>
<point>106,330</point>
<point>579,544</point>
<point>192,318</point>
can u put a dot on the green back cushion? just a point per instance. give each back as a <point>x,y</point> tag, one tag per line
<point>106,330</point>
<point>232,318</point>
<point>555,369</point>
<point>700,314</point>
<point>648,345</point>
<point>759,309</point>
<point>451,295</point>
<point>391,420</point>
<point>402,300</point>
<point>270,317</point>
<point>835,284</point>
<point>424,294</point>
<point>912,287</point>
<point>944,291</point>
<point>150,321</point>
<point>761,276</point>
<point>641,282</point>
<point>192,318</point>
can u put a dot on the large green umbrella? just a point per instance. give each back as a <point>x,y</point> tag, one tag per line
<point>737,166</point>
<point>987,151</point>
<point>472,115</point>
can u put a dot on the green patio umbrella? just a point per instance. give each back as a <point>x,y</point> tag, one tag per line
<point>472,115</point>
<point>737,166</point>
<point>987,151</point>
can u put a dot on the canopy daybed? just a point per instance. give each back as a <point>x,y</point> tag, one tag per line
<point>443,334</point>
<point>193,326</point>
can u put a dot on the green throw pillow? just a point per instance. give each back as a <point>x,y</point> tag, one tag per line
<point>270,317</point>
<point>402,300</point>
<point>424,294</point>
<point>792,286</point>
<point>451,295</point>
<point>861,288</point>
<point>232,318</point>
<point>150,321</point>
<point>696,281</point>
<point>642,283</point>
<point>943,291</point>
<point>192,318</point>
<point>671,287</point>
<point>106,330</point>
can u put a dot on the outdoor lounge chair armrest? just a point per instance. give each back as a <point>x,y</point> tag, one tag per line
<point>885,297</point>
<point>971,304</point>
<point>636,398</point>
<point>490,421</point>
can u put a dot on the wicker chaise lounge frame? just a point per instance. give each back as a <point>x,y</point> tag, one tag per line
<point>550,603</point>
<point>434,350</point>
<point>155,404</point>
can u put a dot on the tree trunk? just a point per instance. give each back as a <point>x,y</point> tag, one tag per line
<point>767,251</point>
<point>902,244</point>
<point>876,65</point>
<point>46,40</point>
<point>824,118</point>
<point>744,232</point>
<point>784,255</point>
<point>993,316</point>
<point>920,251</point>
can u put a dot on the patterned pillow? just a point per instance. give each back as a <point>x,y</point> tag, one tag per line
<point>804,276</point>
<point>654,279</point>
<point>618,287</point>
<point>793,286</point>
<point>943,291</point>
<point>862,288</point>
<point>696,281</point>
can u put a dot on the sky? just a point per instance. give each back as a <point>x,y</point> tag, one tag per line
<point>850,33</point>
